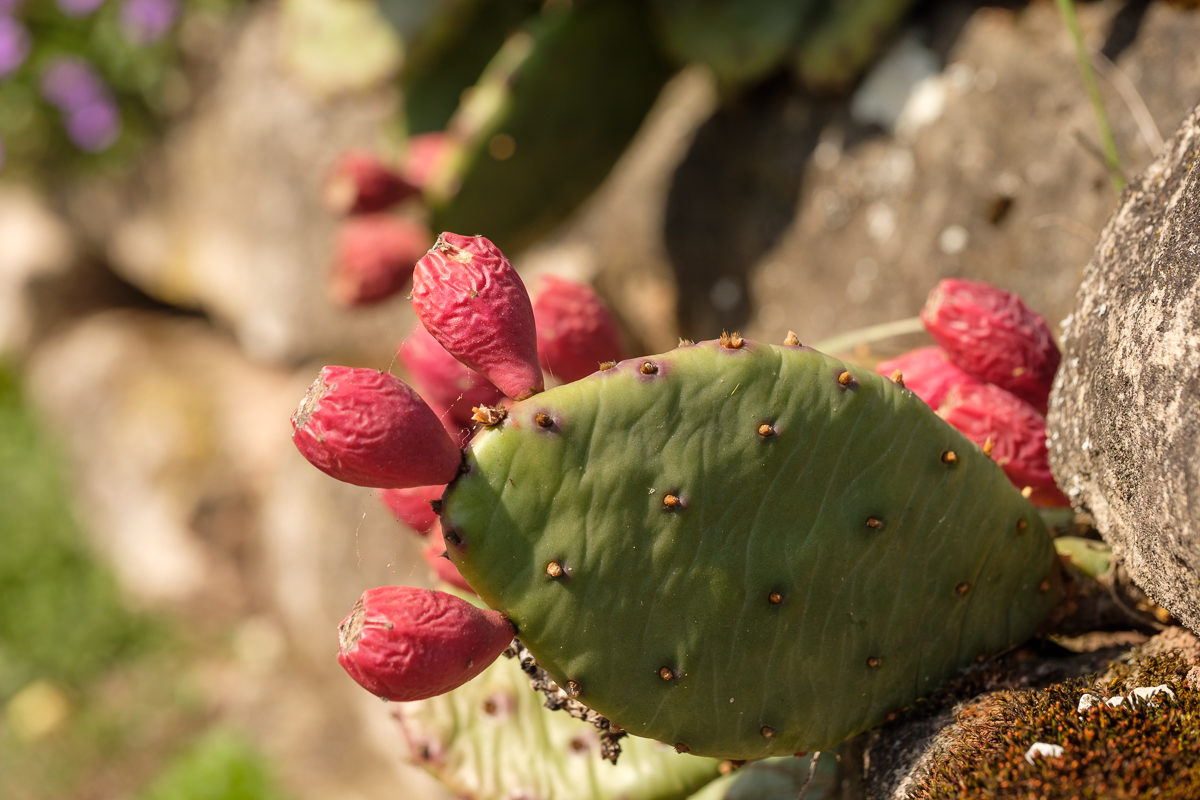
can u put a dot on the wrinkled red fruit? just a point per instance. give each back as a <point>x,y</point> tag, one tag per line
<point>473,302</point>
<point>367,427</point>
<point>993,335</point>
<point>442,379</point>
<point>434,554</point>
<point>402,643</point>
<point>413,506</point>
<point>1017,432</point>
<point>363,183</point>
<point>576,331</point>
<point>927,372</point>
<point>374,258</point>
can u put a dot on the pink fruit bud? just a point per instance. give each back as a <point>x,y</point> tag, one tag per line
<point>444,380</point>
<point>367,427</point>
<point>402,643</point>
<point>927,372</point>
<point>576,331</point>
<point>994,336</point>
<point>473,302</point>
<point>1013,433</point>
<point>413,506</point>
<point>362,183</point>
<point>434,553</point>
<point>374,258</point>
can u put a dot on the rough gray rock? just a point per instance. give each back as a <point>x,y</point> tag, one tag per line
<point>1124,419</point>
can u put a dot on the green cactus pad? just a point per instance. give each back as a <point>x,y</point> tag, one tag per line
<point>552,112</point>
<point>491,738</point>
<point>448,52</point>
<point>741,41</point>
<point>746,551</point>
<point>832,54</point>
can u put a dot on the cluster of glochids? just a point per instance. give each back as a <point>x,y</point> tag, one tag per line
<point>482,347</point>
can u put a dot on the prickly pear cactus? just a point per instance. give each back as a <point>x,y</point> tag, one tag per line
<point>745,550</point>
<point>480,741</point>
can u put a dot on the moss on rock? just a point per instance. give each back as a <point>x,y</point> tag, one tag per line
<point>1150,747</point>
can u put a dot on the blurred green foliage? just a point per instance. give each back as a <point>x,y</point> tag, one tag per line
<point>94,698</point>
<point>218,766</point>
<point>62,618</point>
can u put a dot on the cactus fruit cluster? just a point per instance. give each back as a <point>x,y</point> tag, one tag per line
<point>989,375</point>
<point>380,233</point>
<point>739,549</point>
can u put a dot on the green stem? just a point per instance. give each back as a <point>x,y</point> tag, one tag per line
<point>1111,157</point>
<point>875,333</point>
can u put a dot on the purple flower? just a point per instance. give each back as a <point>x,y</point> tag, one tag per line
<point>146,21</point>
<point>89,112</point>
<point>70,83</point>
<point>79,8</point>
<point>95,126</point>
<point>14,44</point>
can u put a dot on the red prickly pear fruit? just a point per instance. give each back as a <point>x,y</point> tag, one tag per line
<point>927,372</point>
<point>369,428</point>
<point>403,643</point>
<point>576,331</point>
<point>445,381</point>
<point>470,298</point>
<point>363,183</point>
<point>413,506</point>
<point>434,553</point>
<point>993,335</point>
<point>374,258</point>
<point>1013,430</point>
